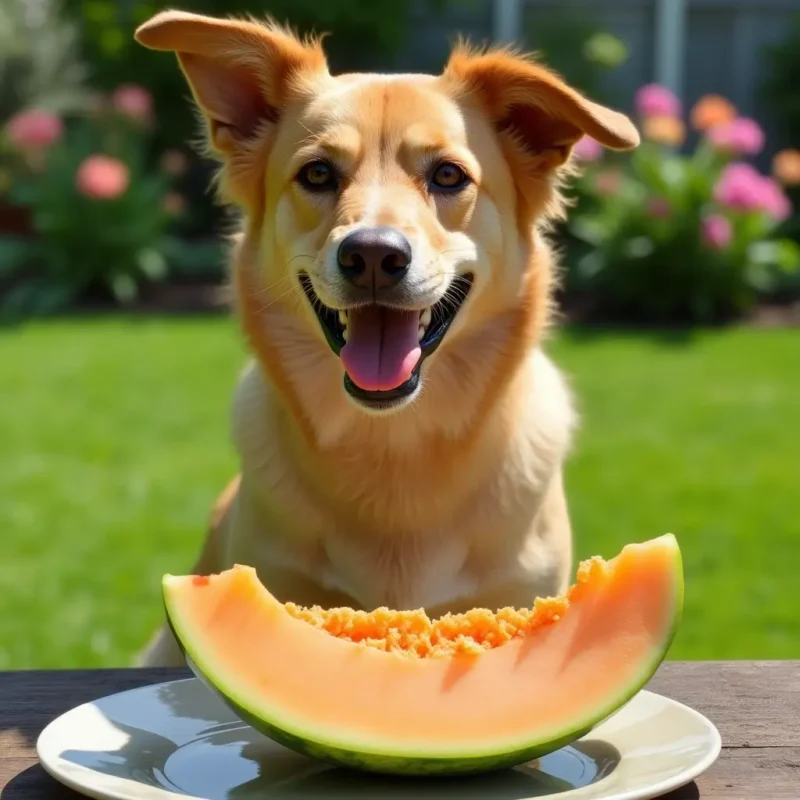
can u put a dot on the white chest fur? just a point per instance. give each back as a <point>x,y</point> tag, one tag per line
<point>288,533</point>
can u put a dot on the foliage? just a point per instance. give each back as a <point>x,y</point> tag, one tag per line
<point>99,214</point>
<point>782,77</point>
<point>40,64</point>
<point>779,93</point>
<point>672,237</point>
<point>576,46</point>
<point>363,34</point>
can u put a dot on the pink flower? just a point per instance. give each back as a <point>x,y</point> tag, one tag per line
<point>716,231</point>
<point>655,100</point>
<point>607,182</point>
<point>35,129</point>
<point>742,188</point>
<point>739,188</point>
<point>659,207</point>
<point>102,178</point>
<point>588,149</point>
<point>741,137</point>
<point>134,101</point>
<point>774,200</point>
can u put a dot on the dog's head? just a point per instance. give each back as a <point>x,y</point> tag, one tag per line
<point>402,209</point>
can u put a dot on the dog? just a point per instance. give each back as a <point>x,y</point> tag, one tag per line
<point>400,431</point>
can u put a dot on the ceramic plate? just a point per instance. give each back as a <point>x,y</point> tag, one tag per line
<point>176,739</point>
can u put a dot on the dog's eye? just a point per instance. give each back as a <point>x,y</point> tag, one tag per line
<point>317,176</point>
<point>448,177</point>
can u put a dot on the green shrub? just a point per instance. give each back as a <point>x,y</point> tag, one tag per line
<point>782,77</point>
<point>100,215</point>
<point>670,238</point>
<point>363,34</point>
<point>780,95</point>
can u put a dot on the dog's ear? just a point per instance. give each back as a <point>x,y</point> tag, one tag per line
<point>241,74</point>
<point>533,105</point>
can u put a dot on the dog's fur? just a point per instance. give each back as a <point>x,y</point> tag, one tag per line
<point>456,499</point>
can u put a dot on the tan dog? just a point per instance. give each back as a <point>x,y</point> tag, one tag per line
<point>401,433</point>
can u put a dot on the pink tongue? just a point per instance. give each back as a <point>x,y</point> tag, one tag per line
<point>382,348</point>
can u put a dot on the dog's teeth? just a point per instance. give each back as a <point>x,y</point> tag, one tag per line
<point>420,333</point>
<point>344,334</point>
<point>425,318</point>
<point>343,318</point>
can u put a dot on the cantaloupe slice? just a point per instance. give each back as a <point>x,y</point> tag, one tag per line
<point>395,692</point>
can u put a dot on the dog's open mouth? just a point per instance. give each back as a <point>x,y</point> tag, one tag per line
<point>382,348</point>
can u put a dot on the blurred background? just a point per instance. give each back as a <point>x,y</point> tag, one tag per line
<point>680,303</point>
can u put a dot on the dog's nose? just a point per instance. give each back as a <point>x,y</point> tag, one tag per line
<point>374,257</point>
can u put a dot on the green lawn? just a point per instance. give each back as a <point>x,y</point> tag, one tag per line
<point>114,443</point>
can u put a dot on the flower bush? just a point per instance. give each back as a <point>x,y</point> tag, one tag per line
<point>100,213</point>
<point>666,236</point>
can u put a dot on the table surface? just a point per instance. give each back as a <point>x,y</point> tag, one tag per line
<point>755,705</point>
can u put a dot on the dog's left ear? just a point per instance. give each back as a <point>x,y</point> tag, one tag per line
<point>532,104</point>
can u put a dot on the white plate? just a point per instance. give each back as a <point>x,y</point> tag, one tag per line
<point>176,739</point>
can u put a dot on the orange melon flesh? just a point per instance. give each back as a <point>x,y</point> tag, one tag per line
<point>397,692</point>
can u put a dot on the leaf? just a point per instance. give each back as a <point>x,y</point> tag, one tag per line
<point>591,264</point>
<point>781,253</point>
<point>194,258</point>
<point>152,264</point>
<point>752,227</point>
<point>788,256</point>
<point>639,247</point>
<point>15,253</point>
<point>20,299</point>
<point>757,275</point>
<point>123,287</point>
<point>54,297</point>
<point>673,171</point>
<point>590,230</point>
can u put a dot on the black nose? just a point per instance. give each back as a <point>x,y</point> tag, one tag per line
<point>374,257</point>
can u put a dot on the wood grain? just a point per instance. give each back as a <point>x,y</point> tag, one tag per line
<point>755,705</point>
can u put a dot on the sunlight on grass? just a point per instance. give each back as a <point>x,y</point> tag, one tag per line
<point>114,443</point>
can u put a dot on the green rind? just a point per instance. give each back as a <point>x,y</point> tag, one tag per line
<point>371,759</point>
<point>386,764</point>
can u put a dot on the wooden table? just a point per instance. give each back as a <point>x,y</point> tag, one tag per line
<point>755,705</point>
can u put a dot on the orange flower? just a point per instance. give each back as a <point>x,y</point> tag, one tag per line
<point>786,167</point>
<point>665,130</point>
<point>712,110</point>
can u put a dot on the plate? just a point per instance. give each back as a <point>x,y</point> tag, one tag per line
<point>177,739</point>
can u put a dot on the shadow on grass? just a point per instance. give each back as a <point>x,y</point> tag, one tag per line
<point>666,336</point>
<point>177,300</point>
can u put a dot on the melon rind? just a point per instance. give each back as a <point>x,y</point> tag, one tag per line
<point>351,753</point>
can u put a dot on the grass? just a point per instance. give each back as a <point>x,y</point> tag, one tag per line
<point>114,443</point>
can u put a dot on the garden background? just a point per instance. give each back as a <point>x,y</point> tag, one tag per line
<point>679,331</point>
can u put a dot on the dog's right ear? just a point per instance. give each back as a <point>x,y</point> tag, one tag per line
<point>241,74</point>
